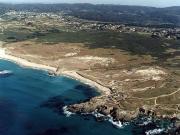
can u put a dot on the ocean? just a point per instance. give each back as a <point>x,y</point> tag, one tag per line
<point>32,102</point>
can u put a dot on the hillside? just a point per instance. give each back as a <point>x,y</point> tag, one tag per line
<point>134,15</point>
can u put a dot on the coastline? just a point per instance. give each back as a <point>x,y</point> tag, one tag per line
<point>72,74</point>
<point>105,91</point>
<point>24,62</point>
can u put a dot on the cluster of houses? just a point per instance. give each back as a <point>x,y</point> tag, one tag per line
<point>80,24</point>
<point>166,33</point>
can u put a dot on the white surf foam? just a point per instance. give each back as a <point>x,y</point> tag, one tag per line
<point>154,131</point>
<point>66,112</point>
<point>146,122</point>
<point>117,124</point>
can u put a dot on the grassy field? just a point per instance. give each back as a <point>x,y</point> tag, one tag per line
<point>133,43</point>
<point>136,44</point>
<point>11,35</point>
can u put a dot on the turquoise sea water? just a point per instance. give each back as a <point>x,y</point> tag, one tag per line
<point>31,104</point>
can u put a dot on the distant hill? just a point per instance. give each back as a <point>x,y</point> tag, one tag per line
<point>134,15</point>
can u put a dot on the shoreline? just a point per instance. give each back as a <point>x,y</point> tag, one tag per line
<point>72,74</point>
<point>24,62</point>
<point>104,91</point>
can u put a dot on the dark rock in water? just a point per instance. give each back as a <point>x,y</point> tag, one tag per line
<point>54,103</point>
<point>173,131</point>
<point>137,131</point>
<point>177,127</point>
<point>51,73</point>
<point>177,131</point>
<point>4,74</point>
<point>140,130</point>
<point>87,90</point>
<point>86,118</point>
<point>100,119</point>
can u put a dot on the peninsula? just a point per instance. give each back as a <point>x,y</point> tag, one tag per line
<point>136,69</point>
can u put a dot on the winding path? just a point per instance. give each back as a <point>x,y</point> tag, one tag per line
<point>155,98</point>
<point>165,95</point>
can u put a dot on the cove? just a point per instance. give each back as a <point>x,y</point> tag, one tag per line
<point>31,103</point>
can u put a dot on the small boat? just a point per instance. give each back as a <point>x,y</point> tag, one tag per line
<point>5,73</point>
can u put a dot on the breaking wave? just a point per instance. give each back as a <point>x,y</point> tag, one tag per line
<point>155,131</point>
<point>66,112</point>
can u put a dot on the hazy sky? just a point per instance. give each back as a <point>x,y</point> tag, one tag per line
<point>156,3</point>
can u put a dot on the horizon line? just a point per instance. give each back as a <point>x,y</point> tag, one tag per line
<point>71,3</point>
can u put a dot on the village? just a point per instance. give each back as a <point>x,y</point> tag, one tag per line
<point>62,19</point>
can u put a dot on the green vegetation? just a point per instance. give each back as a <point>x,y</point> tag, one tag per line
<point>136,44</point>
<point>15,35</point>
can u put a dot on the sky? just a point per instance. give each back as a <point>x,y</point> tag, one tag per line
<point>154,3</point>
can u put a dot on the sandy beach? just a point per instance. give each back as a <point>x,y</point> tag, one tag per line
<point>24,62</point>
<point>72,74</point>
